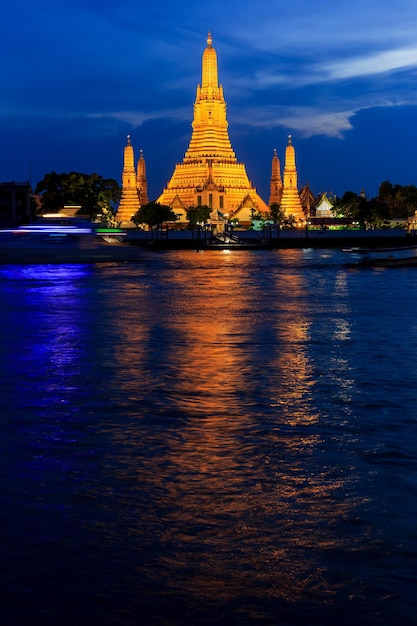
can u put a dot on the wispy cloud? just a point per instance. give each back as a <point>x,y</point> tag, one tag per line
<point>308,121</point>
<point>371,65</point>
<point>348,67</point>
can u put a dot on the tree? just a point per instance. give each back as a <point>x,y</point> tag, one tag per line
<point>397,200</point>
<point>405,201</point>
<point>154,214</point>
<point>290,221</point>
<point>386,191</point>
<point>198,215</point>
<point>90,191</point>
<point>277,213</point>
<point>355,207</point>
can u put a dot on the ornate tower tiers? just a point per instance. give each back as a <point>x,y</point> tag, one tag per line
<point>129,202</point>
<point>290,201</point>
<point>276,181</point>
<point>141,181</point>
<point>210,174</point>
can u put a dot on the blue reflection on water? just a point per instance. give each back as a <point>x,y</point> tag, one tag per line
<point>209,439</point>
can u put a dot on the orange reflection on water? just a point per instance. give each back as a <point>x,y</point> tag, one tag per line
<point>240,499</point>
<point>293,369</point>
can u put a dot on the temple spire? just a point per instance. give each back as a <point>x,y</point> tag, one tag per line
<point>129,202</point>
<point>209,76</point>
<point>290,201</point>
<point>275,192</point>
<point>141,181</point>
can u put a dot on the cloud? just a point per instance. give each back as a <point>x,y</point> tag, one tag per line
<point>354,67</point>
<point>371,65</point>
<point>307,121</point>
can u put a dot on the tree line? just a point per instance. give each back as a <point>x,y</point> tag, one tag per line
<point>392,202</point>
<point>99,197</point>
<point>91,192</point>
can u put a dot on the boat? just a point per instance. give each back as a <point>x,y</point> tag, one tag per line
<point>401,256</point>
<point>62,240</point>
<point>230,241</point>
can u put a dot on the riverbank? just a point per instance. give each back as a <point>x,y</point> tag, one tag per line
<point>91,249</point>
<point>198,239</point>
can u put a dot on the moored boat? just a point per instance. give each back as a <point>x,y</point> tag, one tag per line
<point>400,256</point>
<point>230,241</point>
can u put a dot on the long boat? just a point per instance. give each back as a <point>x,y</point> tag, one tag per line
<point>401,256</point>
<point>229,241</point>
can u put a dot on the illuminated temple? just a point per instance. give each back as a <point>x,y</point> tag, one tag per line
<point>210,174</point>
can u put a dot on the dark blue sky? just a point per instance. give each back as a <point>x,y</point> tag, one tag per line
<point>78,76</point>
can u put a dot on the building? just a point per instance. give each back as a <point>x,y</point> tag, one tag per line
<point>134,186</point>
<point>210,174</point>
<point>324,207</point>
<point>323,215</point>
<point>15,204</point>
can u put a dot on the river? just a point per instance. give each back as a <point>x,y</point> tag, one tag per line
<point>209,438</point>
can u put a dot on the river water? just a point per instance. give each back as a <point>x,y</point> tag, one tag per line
<point>209,438</point>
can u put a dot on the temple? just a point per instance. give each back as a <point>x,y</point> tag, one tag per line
<point>290,199</point>
<point>210,174</point>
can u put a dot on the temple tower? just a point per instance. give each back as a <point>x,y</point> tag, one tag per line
<point>290,201</point>
<point>210,173</point>
<point>275,194</point>
<point>141,181</point>
<point>129,202</point>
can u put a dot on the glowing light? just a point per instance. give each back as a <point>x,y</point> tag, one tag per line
<point>52,229</point>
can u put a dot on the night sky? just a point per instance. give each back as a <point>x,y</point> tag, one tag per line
<point>340,77</point>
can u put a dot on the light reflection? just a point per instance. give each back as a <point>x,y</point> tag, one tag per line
<point>52,347</point>
<point>342,331</point>
<point>292,331</point>
<point>222,419</point>
<point>235,388</point>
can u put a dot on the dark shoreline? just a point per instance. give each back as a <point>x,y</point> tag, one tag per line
<point>138,241</point>
<point>189,240</point>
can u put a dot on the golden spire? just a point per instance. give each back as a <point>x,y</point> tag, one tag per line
<point>209,78</point>
<point>129,157</point>
<point>142,184</point>
<point>290,201</point>
<point>276,181</point>
<point>290,163</point>
<point>210,138</point>
<point>129,202</point>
